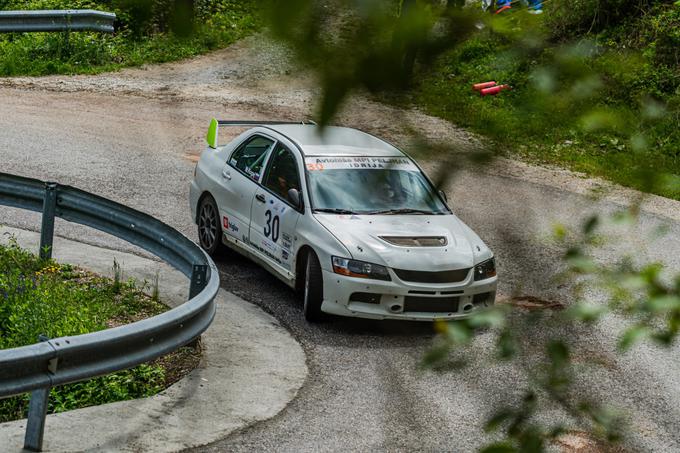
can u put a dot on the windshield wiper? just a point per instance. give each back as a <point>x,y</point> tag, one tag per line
<point>335,211</point>
<point>405,211</point>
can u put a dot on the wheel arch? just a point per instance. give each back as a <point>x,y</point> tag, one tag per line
<point>203,196</point>
<point>300,263</point>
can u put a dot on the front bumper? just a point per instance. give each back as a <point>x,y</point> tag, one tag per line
<point>396,299</point>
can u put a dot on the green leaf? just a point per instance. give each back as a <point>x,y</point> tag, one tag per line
<point>499,447</point>
<point>586,312</point>
<point>590,224</point>
<point>631,336</point>
<point>459,332</point>
<point>487,318</point>
<point>664,303</point>
<point>558,353</point>
<point>498,419</point>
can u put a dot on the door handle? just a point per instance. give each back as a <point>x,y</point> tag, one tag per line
<point>260,198</point>
<point>226,173</point>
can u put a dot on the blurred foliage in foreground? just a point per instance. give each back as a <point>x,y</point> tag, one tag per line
<point>596,85</point>
<point>579,96</point>
<point>148,31</point>
<point>584,75</point>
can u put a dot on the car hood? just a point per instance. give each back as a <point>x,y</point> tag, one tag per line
<point>361,235</point>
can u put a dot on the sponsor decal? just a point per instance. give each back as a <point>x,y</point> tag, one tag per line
<point>285,241</point>
<point>229,225</point>
<point>284,255</point>
<point>369,163</point>
<point>267,253</point>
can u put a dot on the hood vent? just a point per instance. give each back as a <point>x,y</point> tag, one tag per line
<point>416,241</point>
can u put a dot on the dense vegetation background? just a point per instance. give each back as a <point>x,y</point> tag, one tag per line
<point>622,56</point>
<point>148,31</point>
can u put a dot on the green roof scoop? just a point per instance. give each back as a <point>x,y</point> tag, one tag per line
<point>211,138</point>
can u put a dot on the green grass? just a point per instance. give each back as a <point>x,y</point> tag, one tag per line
<point>143,36</point>
<point>45,298</point>
<point>613,113</point>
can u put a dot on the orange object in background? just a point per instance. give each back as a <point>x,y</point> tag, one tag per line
<point>481,86</point>
<point>492,91</point>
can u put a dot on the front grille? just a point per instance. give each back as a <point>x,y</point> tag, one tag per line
<point>453,276</point>
<point>431,304</point>
<point>417,241</point>
<point>368,298</point>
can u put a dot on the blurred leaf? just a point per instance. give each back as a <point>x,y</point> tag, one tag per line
<point>601,119</point>
<point>590,224</point>
<point>435,355</point>
<point>558,353</point>
<point>459,332</point>
<point>586,312</point>
<point>506,345</point>
<point>631,336</point>
<point>664,303</point>
<point>498,419</point>
<point>490,317</point>
<point>559,231</point>
<point>500,447</point>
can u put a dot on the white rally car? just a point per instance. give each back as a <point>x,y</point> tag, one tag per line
<point>345,218</point>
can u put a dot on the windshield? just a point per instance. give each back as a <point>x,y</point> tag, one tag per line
<point>370,185</point>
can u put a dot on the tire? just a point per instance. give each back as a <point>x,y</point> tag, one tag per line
<point>312,294</point>
<point>209,227</point>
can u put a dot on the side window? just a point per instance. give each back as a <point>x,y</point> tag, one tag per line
<point>249,157</point>
<point>282,174</point>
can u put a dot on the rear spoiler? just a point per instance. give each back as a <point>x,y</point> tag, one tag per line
<point>215,124</point>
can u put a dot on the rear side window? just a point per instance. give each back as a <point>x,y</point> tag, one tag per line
<point>250,156</point>
<point>283,173</point>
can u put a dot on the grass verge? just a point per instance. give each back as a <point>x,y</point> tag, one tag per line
<point>603,99</point>
<point>40,297</point>
<point>144,34</point>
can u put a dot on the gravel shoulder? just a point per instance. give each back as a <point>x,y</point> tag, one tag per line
<point>134,135</point>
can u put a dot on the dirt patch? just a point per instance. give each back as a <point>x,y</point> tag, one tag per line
<point>583,442</point>
<point>533,303</point>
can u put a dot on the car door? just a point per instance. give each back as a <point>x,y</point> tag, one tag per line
<point>273,216</point>
<point>239,181</point>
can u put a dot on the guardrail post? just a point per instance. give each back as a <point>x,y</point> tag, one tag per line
<point>199,278</point>
<point>47,229</point>
<point>37,412</point>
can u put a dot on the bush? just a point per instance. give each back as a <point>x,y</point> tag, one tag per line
<point>40,297</point>
<point>147,31</point>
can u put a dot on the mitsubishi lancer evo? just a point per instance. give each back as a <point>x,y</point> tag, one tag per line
<point>346,219</point>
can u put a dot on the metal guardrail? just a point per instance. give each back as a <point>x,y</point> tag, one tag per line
<point>64,360</point>
<point>56,20</point>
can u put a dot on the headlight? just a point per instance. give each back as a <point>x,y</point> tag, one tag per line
<point>486,269</point>
<point>359,269</point>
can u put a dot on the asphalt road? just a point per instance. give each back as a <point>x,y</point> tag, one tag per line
<point>133,137</point>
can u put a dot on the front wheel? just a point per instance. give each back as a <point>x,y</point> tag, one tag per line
<point>313,289</point>
<point>209,227</point>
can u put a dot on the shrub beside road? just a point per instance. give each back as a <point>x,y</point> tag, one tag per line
<point>146,33</point>
<point>39,297</point>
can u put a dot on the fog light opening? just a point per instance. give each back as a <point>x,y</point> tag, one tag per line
<point>468,307</point>
<point>395,308</point>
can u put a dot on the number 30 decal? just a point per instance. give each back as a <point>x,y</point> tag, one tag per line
<point>272,226</point>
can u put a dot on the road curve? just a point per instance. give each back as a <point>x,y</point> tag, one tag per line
<point>133,136</point>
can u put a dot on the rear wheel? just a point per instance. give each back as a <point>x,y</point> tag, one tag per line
<point>313,289</point>
<point>209,227</point>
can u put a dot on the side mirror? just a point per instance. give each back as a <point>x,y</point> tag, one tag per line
<point>443,195</point>
<point>294,198</point>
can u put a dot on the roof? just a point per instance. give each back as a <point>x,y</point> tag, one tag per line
<point>335,141</point>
